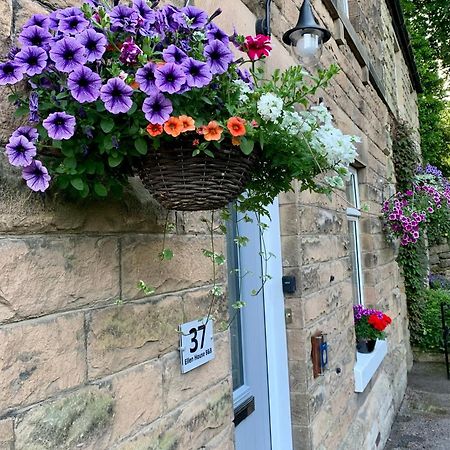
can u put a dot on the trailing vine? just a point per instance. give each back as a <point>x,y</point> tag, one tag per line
<point>412,258</point>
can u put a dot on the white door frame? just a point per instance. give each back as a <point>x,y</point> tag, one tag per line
<point>277,354</point>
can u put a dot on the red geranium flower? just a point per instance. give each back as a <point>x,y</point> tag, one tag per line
<point>257,47</point>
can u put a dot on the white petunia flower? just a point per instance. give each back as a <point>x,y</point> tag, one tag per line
<point>270,107</point>
<point>321,114</point>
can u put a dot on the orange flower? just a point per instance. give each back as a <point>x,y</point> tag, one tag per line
<point>236,125</point>
<point>188,123</point>
<point>174,126</point>
<point>154,129</point>
<point>213,131</point>
<point>201,129</point>
<point>236,140</point>
<point>134,84</point>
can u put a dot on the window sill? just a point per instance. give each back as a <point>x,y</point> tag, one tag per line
<point>367,364</point>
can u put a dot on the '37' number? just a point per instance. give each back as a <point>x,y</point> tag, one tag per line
<point>194,340</point>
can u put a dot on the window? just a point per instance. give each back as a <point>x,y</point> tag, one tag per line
<point>353,215</point>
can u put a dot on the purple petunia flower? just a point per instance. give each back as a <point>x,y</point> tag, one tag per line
<point>11,72</point>
<point>145,12</point>
<point>29,133</point>
<point>72,24</point>
<point>33,105</point>
<point>116,96</point>
<point>173,17</point>
<point>197,17</point>
<point>169,78</point>
<point>84,85</point>
<point>123,18</point>
<point>33,59</point>
<point>36,176</point>
<point>94,43</point>
<point>20,151</point>
<point>39,20</point>
<point>129,53</point>
<point>218,56</point>
<point>197,73</point>
<point>174,54</point>
<point>60,125</point>
<point>157,108</point>
<point>35,35</point>
<point>145,76</point>
<point>215,33</point>
<point>68,54</point>
<point>68,12</point>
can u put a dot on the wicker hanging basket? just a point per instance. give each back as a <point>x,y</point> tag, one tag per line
<point>182,182</point>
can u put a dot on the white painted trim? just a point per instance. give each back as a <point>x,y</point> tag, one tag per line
<point>367,364</point>
<point>277,355</point>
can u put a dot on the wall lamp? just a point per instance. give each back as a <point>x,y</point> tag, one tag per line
<point>305,39</point>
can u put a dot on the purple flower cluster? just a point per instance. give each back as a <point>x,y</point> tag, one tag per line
<point>21,150</point>
<point>359,311</point>
<point>403,219</point>
<point>78,56</point>
<point>405,213</point>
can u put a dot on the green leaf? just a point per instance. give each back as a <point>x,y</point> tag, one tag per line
<point>77,183</point>
<point>107,124</point>
<point>147,290</point>
<point>141,146</point>
<point>247,146</point>
<point>115,160</point>
<point>166,254</point>
<point>100,189</point>
<point>133,109</point>
<point>70,163</point>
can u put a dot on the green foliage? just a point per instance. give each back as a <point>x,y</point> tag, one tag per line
<point>438,226</point>
<point>425,319</point>
<point>428,23</point>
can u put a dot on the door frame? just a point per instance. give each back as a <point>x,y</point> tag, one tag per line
<point>276,342</point>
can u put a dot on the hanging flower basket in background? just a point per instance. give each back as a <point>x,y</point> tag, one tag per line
<point>111,91</point>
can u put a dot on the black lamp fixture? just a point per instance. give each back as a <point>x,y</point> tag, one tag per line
<point>305,39</point>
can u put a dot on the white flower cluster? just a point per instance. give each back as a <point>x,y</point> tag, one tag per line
<point>295,124</point>
<point>245,89</point>
<point>270,107</point>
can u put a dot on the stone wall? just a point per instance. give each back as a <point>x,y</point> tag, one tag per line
<point>88,359</point>
<point>440,259</point>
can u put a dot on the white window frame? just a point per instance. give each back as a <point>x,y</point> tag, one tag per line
<point>353,216</point>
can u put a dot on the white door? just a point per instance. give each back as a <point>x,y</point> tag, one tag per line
<point>259,353</point>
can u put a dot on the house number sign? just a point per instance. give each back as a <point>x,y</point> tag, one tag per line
<point>196,343</point>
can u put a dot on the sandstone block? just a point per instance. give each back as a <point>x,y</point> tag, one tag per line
<point>79,420</point>
<point>137,394</point>
<point>39,358</point>
<point>188,268</point>
<point>121,336</point>
<point>179,388</point>
<point>41,275</point>
<point>7,434</point>
<point>223,441</point>
<point>6,19</point>
<point>323,248</point>
<point>193,425</point>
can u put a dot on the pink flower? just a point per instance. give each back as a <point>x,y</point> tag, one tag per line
<point>257,47</point>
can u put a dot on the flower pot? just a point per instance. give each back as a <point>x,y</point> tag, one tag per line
<point>182,182</point>
<point>365,345</point>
